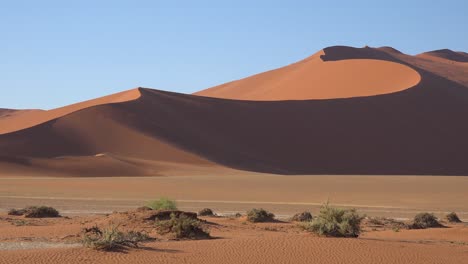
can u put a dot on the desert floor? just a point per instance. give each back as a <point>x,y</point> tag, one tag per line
<point>85,201</point>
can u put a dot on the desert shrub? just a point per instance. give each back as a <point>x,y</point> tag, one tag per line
<point>182,226</point>
<point>335,222</point>
<point>35,212</point>
<point>17,212</point>
<point>453,218</point>
<point>259,215</point>
<point>302,217</point>
<point>206,212</point>
<point>112,239</point>
<point>40,212</point>
<point>162,204</point>
<point>425,220</point>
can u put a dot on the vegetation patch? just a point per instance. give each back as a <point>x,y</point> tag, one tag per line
<point>453,218</point>
<point>425,220</point>
<point>182,227</point>
<point>35,212</point>
<point>302,217</point>
<point>335,222</point>
<point>206,212</point>
<point>162,204</point>
<point>260,215</point>
<point>112,238</point>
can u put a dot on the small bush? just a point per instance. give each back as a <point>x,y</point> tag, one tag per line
<point>453,218</point>
<point>162,204</point>
<point>40,212</point>
<point>17,212</point>
<point>35,212</point>
<point>259,215</point>
<point>112,239</point>
<point>182,226</point>
<point>206,212</point>
<point>425,220</point>
<point>335,222</point>
<point>302,217</point>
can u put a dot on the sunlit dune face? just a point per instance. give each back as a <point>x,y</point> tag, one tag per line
<point>316,79</point>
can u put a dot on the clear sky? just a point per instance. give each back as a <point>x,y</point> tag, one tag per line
<point>53,53</point>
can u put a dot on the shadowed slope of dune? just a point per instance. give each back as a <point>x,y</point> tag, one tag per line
<point>415,131</point>
<point>316,78</point>
<point>449,69</point>
<point>447,54</point>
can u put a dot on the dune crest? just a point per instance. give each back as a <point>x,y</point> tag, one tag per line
<point>319,78</point>
<point>19,120</point>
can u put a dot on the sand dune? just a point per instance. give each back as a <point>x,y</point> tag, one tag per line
<point>316,78</point>
<point>447,54</point>
<point>411,123</point>
<point>26,119</point>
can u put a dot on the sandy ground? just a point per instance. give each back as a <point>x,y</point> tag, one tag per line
<point>235,241</point>
<point>395,196</point>
<point>85,200</point>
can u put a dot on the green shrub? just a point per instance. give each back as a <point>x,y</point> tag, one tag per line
<point>302,217</point>
<point>453,218</point>
<point>182,227</point>
<point>425,220</point>
<point>259,215</point>
<point>112,239</point>
<point>335,222</point>
<point>35,212</point>
<point>162,204</point>
<point>206,212</point>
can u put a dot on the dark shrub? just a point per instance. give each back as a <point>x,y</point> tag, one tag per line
<point>41,212</point>
<point>182,226</point>
<point>335,222</point>
<point>259,215</point>
<point>112,239</point>
<point>206,212</point>
<point>453,218</point>
<point>17,212</point>
<point>425,220</point>
<point>302,217</point>
<point>35,212</point>
<point>160,215</point>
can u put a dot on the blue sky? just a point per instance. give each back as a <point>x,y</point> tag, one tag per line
<point>53,53</point>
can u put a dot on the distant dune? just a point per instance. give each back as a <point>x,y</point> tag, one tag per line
<point>447,54</point>
<point>341,111</point>
<point>26,119</point>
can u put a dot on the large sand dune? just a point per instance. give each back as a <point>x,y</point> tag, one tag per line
<point>390,114</point>
<point>317,78</point>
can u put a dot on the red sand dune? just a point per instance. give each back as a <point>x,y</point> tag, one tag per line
<point>411,123</point>
<point>447,54</point>
<point>28,118</point>
<point>315,78</point>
